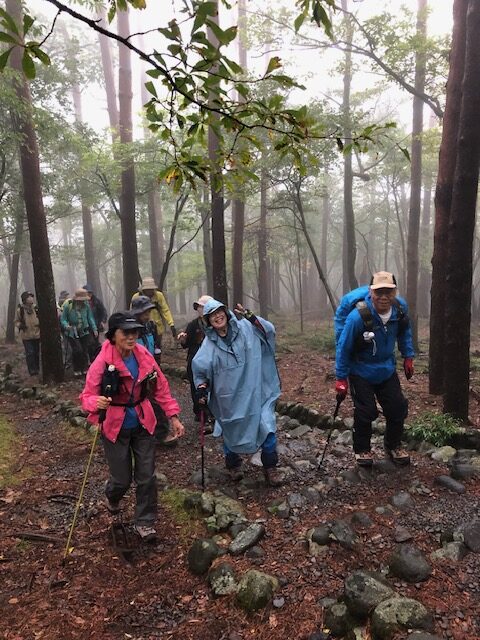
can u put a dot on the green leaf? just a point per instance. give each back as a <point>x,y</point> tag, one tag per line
<point>27,23</point>
<point>299,20</point>
<point>6,37</point>
<point>321,18</point>
<point>150,87</point>
<point>28,66</point>
<point>405,152</point>
<point>224,37</point>
<point>8,21</point>
<point>273,63</point>
<point>4,58</point>
<point>172,32</point>
<point>38,53</point>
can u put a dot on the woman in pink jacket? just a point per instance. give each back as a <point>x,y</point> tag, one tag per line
<point>116,386</point>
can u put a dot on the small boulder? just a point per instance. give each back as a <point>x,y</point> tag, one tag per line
<point>450,484</point>
<point>462,470</point>
<point>408,563</point>
<point>443,454</point>
<point>320,535</point>
<point>396,614</point>
<point>471,535</point>
<point>362,519</point>
<point>255,590</point>
<point>363,591</point>
<point>450,551</point>
<point>338,620</point>
<point>401,534</point>
<point>247,538</point>
<point>343,534</point>
<point>402,501</point>
<point>201,555</point>
<point>222,579</point>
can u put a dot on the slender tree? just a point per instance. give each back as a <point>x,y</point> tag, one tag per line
<point>416,170</point>
<point>52,365</point>
<point>458,290</point>
<point>349,241</point>
<point>131,274</point>
<point>443,197</point>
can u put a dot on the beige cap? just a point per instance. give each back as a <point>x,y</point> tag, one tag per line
<point>383,280</point>
<point>81,295</point>
<point>201,301</point>
<point>148,283</point>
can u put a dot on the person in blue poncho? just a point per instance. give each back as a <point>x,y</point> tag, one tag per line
<point>365,357</point>
<point>235,372</point>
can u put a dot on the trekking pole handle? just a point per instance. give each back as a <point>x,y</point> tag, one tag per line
<point>102,414</point>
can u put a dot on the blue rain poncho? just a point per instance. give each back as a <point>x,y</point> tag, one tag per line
<point>242,379</point>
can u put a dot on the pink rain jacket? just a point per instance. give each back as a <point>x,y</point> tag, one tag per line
<point>115,415</point>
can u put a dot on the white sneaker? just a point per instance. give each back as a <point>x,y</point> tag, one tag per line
<point>146,532</point>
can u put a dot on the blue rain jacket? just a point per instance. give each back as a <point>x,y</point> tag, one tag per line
<point>242,379</point>
<point>376,360</point>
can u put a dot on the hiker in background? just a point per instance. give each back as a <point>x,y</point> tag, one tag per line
<point>66,349</point>
<point>141,308</point>
<point>79,326</point>
<point>191,339</point>
<point>127,430</point>
<point>26,321</point>
<point>365,358</point>
<point>160,313</point>
<point>100,316</point>
<point>235,373</point>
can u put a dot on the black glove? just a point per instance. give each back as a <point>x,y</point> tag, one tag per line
<point>174,331</point>
<point>201,395</point>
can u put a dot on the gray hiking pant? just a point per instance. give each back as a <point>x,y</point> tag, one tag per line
<point>133,454</point>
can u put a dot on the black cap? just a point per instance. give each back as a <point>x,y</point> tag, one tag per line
<point>25,295</point>
<point>121,320</point>
<point>141,304</point>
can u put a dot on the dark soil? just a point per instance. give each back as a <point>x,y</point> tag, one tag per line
<point>99,595</point>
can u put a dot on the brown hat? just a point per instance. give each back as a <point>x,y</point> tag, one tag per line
<point>201,302</point>
<point>383,280</point>
<point>148,283</point>
<point>81,295</point>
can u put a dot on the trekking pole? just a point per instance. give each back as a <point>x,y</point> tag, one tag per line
<point>101,417</point>
<point>202,445</point>
<point>340,399</point>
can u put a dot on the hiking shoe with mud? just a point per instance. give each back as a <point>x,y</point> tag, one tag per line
<point>146,532</point>
<point>236,474</point>
<point>273,477</point>
<point>364,459</point>
<point>112,507</point>
<point>398,456</point>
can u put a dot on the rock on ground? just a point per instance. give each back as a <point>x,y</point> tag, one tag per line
<point>409,563</point>
<point>363,591</point>
<point>255,590</point>
<point>397,613</point>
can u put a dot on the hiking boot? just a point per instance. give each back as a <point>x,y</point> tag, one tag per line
<point>398,456</point>
<point>364,459</point>
<point>146,532</point>
<point>112,507</point>
<point>273,476</point>
<point>236,474</point>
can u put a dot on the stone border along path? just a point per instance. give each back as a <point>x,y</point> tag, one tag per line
<point>366,595</point>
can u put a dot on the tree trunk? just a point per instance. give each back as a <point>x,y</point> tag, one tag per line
<point>219,267</point>
<point>458,290</point>
<point>416,172</point>
<point>52,364</point>
<point>109,77</point>
<point>207,239</point>
<point>238,204</point>
<point>131,274</point>
<point>323,248</point>
<point>443,197</point>
<point>263,276</point>
<point>71,278</point>
<point>423,282</point>
<point>13,291</point>
<point>349,244</point>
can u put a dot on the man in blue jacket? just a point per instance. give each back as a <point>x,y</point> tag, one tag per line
<point>365,357</point>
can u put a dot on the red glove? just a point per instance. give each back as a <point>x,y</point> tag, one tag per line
<point>341,387</point>
<point>408,367</point>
